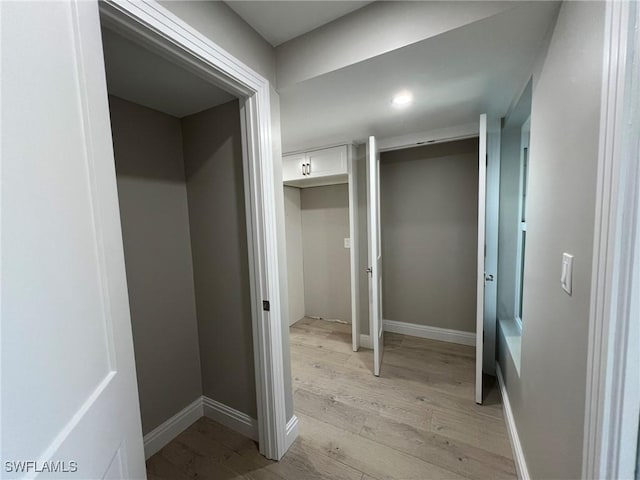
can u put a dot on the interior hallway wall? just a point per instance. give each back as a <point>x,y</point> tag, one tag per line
<point>295,268</point>
<point>155,230</point>
<point>327,272</point>
<point>429,214</point>
<point>215,188</point>
<point>548,396</point>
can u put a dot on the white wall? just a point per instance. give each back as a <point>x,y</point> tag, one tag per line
<point>548,397</point>
<point>295,268</point>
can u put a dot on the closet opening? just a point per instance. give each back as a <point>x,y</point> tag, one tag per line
<point>189,153</point>
<point>429,225</point>
<point>321,222</point>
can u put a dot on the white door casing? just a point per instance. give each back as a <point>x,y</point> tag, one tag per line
<point>488,211</point>
<point>375,254</point>
<point>69,391</point>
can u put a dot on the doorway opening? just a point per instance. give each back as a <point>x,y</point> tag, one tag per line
<point>322,238</point>
<point>194,164</point>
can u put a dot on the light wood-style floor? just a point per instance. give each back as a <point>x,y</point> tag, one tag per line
<point>417,421</point>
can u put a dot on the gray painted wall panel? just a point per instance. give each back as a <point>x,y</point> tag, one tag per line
<point>327,273</point>
<point>429,204</point>
<point>215,189</point>
<point>548,398</point>
<point>155,230</point>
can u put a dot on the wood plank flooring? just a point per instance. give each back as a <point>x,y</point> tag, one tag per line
<point>417,421</point>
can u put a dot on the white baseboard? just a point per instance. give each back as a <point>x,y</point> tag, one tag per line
<point>242,423</point>
<point>365,341</point>
<point>434,333</point>
<point>516,446</point>
<point>230,417</point>
<point>292,431</point>
<point>156,439</point>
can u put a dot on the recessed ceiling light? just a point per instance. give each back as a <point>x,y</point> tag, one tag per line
<point>402,99</point>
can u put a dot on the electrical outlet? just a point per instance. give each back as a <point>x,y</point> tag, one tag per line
<point>347,243</point>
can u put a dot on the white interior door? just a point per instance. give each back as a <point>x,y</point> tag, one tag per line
<point>375,253</point>
<point>488,212</point>
<point>69,391</point>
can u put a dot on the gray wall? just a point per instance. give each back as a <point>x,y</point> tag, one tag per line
<point>215,188</point>
<point>226,28</point>
<point>327,273</point>
<point>429,204</point>
<point>548,398</point>
<point>363,239</point>
<point>155,230</point>
<point>295,269</point>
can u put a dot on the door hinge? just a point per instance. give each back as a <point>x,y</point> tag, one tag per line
<point>266,306</point>
<point>482,336</point>
<point>486,159</point>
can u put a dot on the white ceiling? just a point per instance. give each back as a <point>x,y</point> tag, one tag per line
<point>454,78</point>
<point>280,21</point>
<point>143,77</point>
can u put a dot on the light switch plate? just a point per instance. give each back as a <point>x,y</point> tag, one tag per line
<point>566,275</point>
<point>347,243</point>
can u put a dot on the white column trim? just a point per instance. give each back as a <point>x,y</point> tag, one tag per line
<point>613,384</point>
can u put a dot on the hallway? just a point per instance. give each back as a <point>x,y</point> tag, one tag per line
<point>417,421</point>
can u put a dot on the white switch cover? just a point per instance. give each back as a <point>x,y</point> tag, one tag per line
<point>566,276</point>
<point>347,243</point>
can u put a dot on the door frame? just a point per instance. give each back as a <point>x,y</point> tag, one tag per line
<point>169,36</point>
<point>613,386</point>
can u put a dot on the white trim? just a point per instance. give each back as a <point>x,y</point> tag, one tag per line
<point>230,417</point>
<point>420,139</point>
<point>434,333</point>
<point>160,436</point>
<point>204,406</point>
<point>162,31</point>
<point>516,446</point>
<point>354,250</point>
<point>292,430</point>
<point>365,341</point>
<point>480,274</point>
<point>613,384</point>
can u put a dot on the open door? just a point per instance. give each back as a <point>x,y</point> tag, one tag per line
<point>69,390</point>
<point>488,211</point>
<point>375,254</point>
